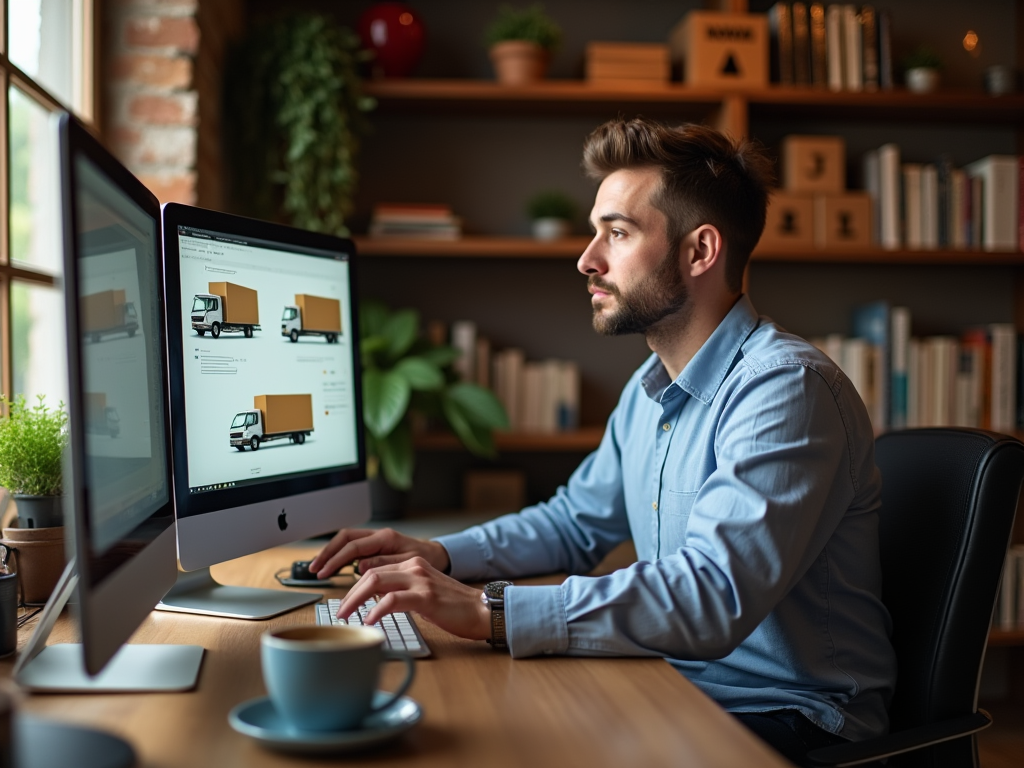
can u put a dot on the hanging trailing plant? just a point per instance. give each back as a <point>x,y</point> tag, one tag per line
<point>294,114</point>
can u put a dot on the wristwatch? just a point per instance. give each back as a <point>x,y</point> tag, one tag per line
<point>493,596</point>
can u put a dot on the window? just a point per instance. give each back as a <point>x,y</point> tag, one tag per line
<point>45,66</point>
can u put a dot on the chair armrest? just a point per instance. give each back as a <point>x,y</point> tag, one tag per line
<point>857,752</point>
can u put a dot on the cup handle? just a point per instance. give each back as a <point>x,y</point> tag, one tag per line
<point>410,673</point>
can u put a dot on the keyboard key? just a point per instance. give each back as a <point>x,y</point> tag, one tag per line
<point>399,629</point>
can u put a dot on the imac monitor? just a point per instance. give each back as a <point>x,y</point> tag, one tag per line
<point>117,472</point>
<point>265,397</point>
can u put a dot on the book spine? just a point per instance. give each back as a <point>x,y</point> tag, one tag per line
<point>781,29</point>
<point>873,186</point>
<point>885,80</point>
<point>900,362</point>
<point>869,47</point>
<point>834,55</point>
<point>852,48</point>
<point>929,208</point>
<point>889,195</point>
<point>913,383</point>
<point>958,234</point>
<point>1004,374</point>
<point>801,45</point>
<point>819,66</point>
<point>912,229</point>
<point>464,340</point>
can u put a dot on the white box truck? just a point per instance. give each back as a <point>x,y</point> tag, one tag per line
<point>273,417</point>
<point>227,308</point>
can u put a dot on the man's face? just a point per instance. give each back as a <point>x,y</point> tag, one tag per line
<point>633,274</point>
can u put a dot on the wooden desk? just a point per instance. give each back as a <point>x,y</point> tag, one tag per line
<point>481,709</point>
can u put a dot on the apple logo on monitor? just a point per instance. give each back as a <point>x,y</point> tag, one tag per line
<point>282,521</point>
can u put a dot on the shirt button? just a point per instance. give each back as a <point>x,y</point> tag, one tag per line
<point>666,426</point>
<point>654,506</point>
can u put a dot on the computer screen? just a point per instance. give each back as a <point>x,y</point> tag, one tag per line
<point>265,383</point>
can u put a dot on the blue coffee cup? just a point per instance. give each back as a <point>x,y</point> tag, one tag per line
<point>325,678</point>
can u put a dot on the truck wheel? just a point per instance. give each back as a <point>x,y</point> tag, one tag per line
<point>298,438</point>
<point>201,332</point>
<point>215,330</point>
<point>247,332</point>
<point>331,338</point>
<point>241,448</point>
<point>254,443</point>
<point>294,335</point>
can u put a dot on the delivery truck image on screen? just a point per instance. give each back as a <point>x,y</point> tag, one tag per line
<point>273,417</point>
<point>312,316</point>
<point>100,418</point>
<point>107,313</point>
<point>227,308</point>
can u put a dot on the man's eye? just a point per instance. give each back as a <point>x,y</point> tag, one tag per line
<point>618,233</point>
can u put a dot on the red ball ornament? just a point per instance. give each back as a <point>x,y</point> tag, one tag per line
<point>395,33</point>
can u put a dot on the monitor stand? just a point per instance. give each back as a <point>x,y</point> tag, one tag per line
<point>198,592</point>
<point>134,668</point>
<point>41,743</point>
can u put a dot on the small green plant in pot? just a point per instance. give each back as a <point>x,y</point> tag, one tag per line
<point>921,69</point>
<point>403,373</point>
<point>32,442</point>
<point>521,42</point>
<point>551,214</point>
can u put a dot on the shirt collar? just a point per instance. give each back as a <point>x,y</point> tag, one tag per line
<point>704,374</point>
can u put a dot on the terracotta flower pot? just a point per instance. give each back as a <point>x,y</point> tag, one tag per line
<point>39,556</point>
<point>517,62</point>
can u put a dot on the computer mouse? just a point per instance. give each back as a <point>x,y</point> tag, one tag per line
<point>301,572</point>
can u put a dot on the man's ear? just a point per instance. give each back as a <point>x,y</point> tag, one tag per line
<point>705,249</point>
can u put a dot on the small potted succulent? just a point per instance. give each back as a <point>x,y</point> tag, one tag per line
<point>521,42</point>
<point>921,70</point>
<point>404,374</point>
<point>551,214</point>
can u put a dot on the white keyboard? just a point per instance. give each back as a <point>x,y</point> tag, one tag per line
<point>402,634</point>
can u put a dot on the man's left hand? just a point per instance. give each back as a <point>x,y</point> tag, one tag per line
<point>415,585</point>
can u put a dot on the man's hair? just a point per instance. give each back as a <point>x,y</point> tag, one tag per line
<point>706,178</point>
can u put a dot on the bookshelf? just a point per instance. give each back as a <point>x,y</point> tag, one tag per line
<point>579,440</point>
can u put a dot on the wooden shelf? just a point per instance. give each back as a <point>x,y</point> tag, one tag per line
<point>475,246</point>
<point>422,95</point>
<point>581,440</point>
<point>1000,637</point>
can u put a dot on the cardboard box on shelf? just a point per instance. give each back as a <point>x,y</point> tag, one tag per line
<point>790,222</point>
<point>722,49</point>
<point>813,163</point>
<point>842,221</point>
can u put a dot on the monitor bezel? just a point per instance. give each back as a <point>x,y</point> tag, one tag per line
<point>189,504</point>
<point>112,602</point>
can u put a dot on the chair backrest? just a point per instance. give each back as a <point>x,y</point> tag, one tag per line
<point>949,497</point>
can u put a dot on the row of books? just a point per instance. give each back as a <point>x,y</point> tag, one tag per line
<point>539,396</point>
<point>934,205</point>
<point>970,380</point>
<point>841,47</point>
<point>415,220</point>
<point>1009,613</point>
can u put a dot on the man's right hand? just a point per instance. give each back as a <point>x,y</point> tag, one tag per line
<point>373,548</point>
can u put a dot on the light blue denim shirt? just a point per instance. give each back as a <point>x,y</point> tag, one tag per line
<point>750,490</point>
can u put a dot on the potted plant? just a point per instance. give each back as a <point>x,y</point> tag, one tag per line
<point>405,374</point>
<point>551,214</point>
<point>295,114</point>
<point>521,42</point>
<point>921,70</point>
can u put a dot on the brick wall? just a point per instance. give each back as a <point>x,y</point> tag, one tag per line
<point>161,92</point>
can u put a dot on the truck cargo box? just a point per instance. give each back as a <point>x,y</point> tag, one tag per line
<point>239,303</point>
<point>104,310</point>
<point>285,413</point>
<point>319,314</point>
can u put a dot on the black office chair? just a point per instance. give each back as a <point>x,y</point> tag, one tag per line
<point>949,497</point>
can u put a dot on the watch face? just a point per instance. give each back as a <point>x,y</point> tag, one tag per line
<point>496,589</point>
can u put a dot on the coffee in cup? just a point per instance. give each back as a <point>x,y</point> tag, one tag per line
<point>325,678</point>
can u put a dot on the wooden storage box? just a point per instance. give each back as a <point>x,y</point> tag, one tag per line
<point>635,62</point>
<point>790,223</point>
<point>842,221</point>
<point>722,49</point>
<point>813,164</point>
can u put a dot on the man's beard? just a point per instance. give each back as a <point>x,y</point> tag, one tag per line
<point>660,294</point>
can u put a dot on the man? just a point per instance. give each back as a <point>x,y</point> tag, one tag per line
<point>739,459</point>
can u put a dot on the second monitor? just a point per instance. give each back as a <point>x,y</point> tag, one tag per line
<point>265,397</point>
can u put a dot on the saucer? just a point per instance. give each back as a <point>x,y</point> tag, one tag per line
<point>258,719</point>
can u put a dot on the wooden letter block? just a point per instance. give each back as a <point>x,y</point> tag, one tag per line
<point>634,62</point>
<point>722,49</point>
<point>842,221</point>
<point>790,223</point>
<point>813,164</point>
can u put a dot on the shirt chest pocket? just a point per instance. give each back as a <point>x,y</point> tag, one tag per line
<point>675,515</point>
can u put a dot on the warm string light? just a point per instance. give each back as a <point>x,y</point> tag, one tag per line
<point>971,43</point>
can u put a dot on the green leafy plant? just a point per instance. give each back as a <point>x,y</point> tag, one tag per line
<point>32,442</point>
<point>922,57</point>
<point>528,24</point>
<point>294,113</point>
<point>402,373</point>
<point>551,205</point>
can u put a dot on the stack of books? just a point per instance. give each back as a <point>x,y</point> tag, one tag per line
<point>929,206</point>
<point>966,380</point>
<point>639,63</point>
<point>842,47</point>
<point>415,220</point>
